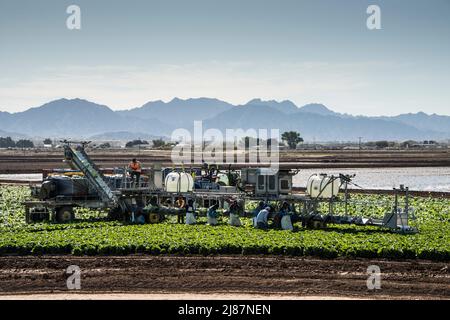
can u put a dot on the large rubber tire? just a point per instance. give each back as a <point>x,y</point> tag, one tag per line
<point>65,214</point>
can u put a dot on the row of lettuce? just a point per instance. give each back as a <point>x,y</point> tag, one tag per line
<point>85,237</point>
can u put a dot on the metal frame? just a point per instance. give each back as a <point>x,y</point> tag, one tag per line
<point>110,197</point>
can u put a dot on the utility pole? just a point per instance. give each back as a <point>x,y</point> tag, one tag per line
<point>359,145</point>
<point>139,147</point>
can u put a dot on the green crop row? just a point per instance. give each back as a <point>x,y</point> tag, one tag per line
<point>102,237</point>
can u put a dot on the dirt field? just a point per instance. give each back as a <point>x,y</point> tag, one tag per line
<point>220,277</point>
<point>34,161</point>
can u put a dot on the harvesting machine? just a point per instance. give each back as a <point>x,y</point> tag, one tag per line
<point>86,185</point>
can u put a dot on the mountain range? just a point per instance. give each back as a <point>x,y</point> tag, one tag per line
<point>78,118</point>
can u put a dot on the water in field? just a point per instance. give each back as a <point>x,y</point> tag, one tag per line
<point>22,177</point>
<point>423,179</point>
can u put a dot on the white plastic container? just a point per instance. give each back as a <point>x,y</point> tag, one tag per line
<point>323,186</point>
<point>179,182</point>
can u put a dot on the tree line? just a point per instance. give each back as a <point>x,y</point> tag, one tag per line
<point>8,142</point>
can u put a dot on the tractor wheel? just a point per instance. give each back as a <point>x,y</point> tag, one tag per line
<point>153,218</point>
<point>65,214</point>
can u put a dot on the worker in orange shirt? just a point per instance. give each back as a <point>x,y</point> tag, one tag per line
<point>135,170</point>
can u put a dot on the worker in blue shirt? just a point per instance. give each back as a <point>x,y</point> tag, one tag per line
<point>261,206</point>
<point>262,218</point>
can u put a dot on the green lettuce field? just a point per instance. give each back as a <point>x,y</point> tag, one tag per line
<point>92,235</point>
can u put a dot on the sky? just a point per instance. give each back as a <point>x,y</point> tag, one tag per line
<point>130,52</point>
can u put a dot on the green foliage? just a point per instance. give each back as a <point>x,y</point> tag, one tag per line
<point>102,237</point>
<point>158,143</point>
<point>24,143</point>
<point>7,142</point>
<point>292,138</point>
<point>134,143</point>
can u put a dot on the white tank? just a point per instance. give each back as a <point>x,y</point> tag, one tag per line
<point>222,179</point>
<point>179,182</point>
<point>323,186</point>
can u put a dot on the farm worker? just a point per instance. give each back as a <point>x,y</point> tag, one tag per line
<point>212,214</point>
<point>135,169</point>
<point>285,217</point>
<point>262,218</point>
<point>190,212</point>
<point>180,204</point>
<point>284,210</point>
<point>234,214</point>
<point>261,205</point>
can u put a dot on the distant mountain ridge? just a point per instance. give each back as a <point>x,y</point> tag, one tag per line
<point>74,118</point>
<point>179,112</point>
<point>423,121</point>
<point>78,118</point>
<point>285,106</point>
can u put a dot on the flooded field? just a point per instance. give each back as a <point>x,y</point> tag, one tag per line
<point>423,179</point>
<point>22,177</point>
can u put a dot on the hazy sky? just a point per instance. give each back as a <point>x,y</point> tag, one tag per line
<point>130,52</point>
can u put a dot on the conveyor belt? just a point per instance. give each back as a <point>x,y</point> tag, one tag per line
<point>81,161</point>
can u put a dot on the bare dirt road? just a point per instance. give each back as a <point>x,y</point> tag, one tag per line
<point>220,277</point>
